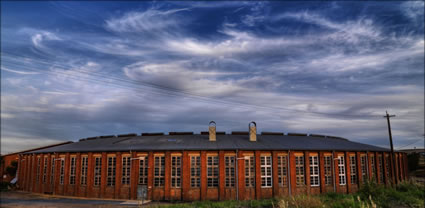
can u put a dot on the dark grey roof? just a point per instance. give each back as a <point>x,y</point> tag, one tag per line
<point>201,142</point>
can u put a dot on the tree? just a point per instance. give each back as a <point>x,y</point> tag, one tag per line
<point>12,168</point>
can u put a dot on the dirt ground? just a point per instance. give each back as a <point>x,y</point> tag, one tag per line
<point>26,200</point>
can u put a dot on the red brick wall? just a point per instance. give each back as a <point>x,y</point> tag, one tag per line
<point>185,191</point>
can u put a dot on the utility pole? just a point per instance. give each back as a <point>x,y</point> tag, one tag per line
<point>391,143</point>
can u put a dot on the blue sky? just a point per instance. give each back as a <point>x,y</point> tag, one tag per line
<point>71,70</point>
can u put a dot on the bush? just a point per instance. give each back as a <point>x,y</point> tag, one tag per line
<point>300,201</point>
<point>4,186</point>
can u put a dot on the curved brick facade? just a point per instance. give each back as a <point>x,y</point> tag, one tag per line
<point>187,175</point>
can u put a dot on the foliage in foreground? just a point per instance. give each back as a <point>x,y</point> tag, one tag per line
<point>370,195</point>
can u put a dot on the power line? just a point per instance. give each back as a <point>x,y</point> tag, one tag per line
<point>410,143</point>
<point>170,91</point>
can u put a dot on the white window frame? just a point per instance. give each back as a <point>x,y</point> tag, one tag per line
<point>300,170</point>
<point>126,170</point>
<point>314,171</point>
<point>72,168</point>
<point>266,171</point>
<point>45,170</point>
<point>84,168</point>
<point>229,167</point>
<point>328,169</point>
<point>341,171</point>
<point>353,169</point>
<point>176,169</point>
<point>97,171</point>
<point>143,170</point>
<point>195,171</point>
<point>250,171</point>
<point>52,169</point>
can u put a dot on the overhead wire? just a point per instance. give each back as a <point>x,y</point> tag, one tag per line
<point>169,91</point>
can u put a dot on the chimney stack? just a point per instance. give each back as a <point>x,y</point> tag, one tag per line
<point>252,131</point>
<point>211,129</point>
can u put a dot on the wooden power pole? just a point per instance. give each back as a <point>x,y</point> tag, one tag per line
<point>391,143</point>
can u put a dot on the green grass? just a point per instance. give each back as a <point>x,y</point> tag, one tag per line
<point>370,195</point>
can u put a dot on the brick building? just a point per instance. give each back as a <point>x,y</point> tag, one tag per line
<point>7,160</point>
<point>207,166</point>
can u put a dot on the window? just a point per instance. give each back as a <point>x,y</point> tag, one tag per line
<point>212,171</point>
<point>328,170</point>
<point>72,171</point>
<point>282,170</point>
<point>62,171</point>
<point>143,171</point>
<point>37,176</point>
<point>314,171</point>
<point>195,171</point>
<point>387,167</point>
<point>250,171</point>
<point>175,171</point>
<point>266,171</point>
<point>52,170</point>
<point>341,170</point>
<point>381,169</point>
<point>353,169</point>
<point>84,166</point>
<point>159,171</point>
<point>372,164</point>
<point>229,163</point>
<point>45,170</point>
<point>97,170</point>
<point>111,171</point>
<point>126,165</point>
<point>363,165</point>
<point>299,170</point>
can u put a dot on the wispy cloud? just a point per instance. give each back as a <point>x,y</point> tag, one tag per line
<point>176,66</point>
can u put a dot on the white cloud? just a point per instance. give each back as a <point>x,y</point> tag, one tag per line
<point>147,21</point>
<point>18,72</point>
<point>41,36</point>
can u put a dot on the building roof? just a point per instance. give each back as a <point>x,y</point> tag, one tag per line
<point>37,148</point>
<point>155,142</point>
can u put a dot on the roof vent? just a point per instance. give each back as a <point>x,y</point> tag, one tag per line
<point>240,133</point>
<point>107,136</point>
<point>180,133</point>
<point>126,135</point>
<point>272,133</point>
<point>153,134</point>
<point>220,133</point>
<point>296,134</point>
<point>317,135</point>
<point>212,131</point>
<point>252,131</point>
<point>334,137</point>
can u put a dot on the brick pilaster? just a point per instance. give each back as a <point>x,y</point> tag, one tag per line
<point>292,173</point>
<point>90,173</point>
<point>103,179</point>
<point>257,175</point>
<point>359,169</point>
<point>336,171</point>
<point>203,175</point>
<point>348,172</point>
<point>134,175</point>
<point>150,174</point>
<point>307,171</point>
<point>221,175</point>
<point>118,175</point>
<point>322,172</point>
<point>167,179</point>
<point>77,174</point>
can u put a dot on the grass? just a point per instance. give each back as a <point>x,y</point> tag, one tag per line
<point>370,195</point>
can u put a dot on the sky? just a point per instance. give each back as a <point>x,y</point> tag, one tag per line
<point>72,70</point>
